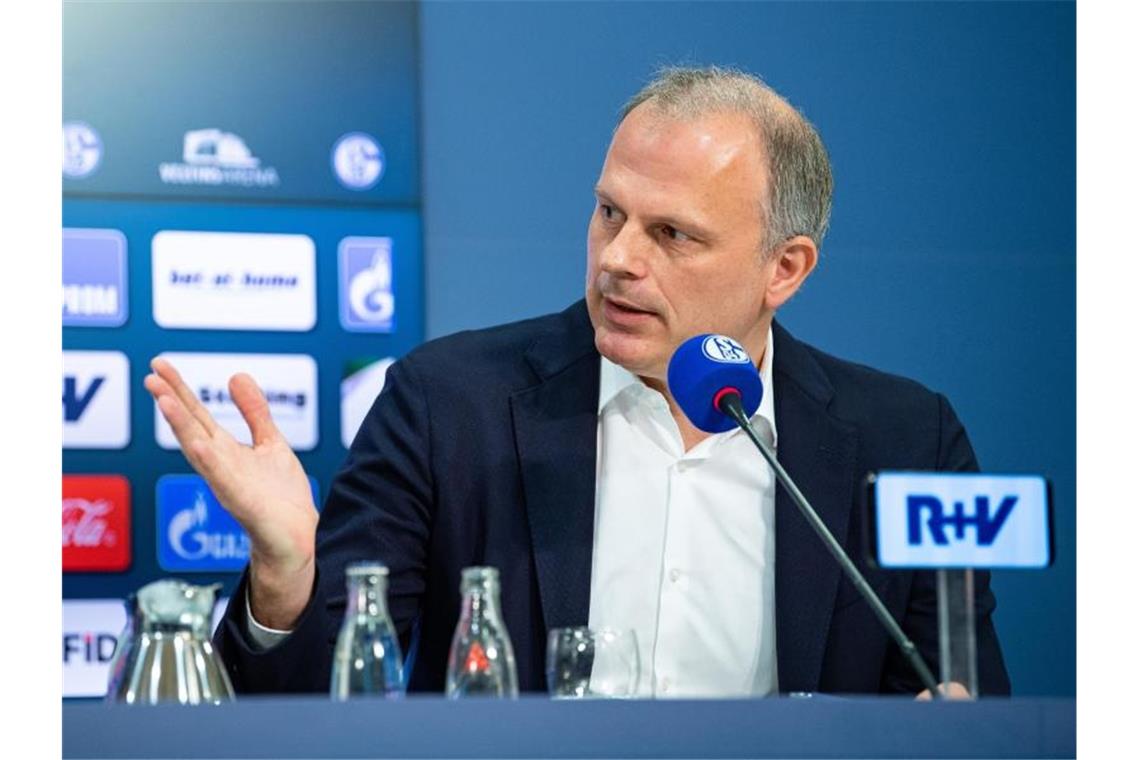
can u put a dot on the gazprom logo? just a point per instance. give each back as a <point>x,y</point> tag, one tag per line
<point>721,348</point>
<point>195,532</point>
<point>961,520</point>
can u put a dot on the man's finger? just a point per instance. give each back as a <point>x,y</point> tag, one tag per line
<point>167,372</point>
<point>254,408</point>
<point>186,429</point>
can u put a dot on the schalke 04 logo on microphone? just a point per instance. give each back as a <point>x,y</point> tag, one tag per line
<point>721,348</point>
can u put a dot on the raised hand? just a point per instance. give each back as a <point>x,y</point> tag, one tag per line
<point>263,486</point>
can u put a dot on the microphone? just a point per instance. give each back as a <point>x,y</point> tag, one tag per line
<point>717,386</point>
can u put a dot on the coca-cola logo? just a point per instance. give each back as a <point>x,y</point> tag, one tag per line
<point>85,523</point>
<point>96,523</point>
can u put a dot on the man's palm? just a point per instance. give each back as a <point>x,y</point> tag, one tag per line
<point>263,486</point>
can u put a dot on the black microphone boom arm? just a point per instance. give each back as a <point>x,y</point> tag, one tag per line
<point>729,403</point>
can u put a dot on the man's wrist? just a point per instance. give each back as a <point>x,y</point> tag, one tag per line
<point>276,600</point>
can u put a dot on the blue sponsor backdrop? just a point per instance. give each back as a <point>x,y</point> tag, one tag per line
<point>951,256</point>
<point>260,86</point>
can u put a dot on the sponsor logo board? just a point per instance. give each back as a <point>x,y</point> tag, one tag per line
<point>94,278</point>
<point>361,383</point>
<point>289,382</point>
<point>234,281</point>
<point>194,531</point>
<point>96,400</point>
<point>96,523</point>
<point>367,293</point>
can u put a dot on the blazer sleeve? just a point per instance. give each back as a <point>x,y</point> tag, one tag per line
<point>379,508</point>
<point>955,454</point>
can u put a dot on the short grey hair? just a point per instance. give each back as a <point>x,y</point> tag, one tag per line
<point>800,183</point>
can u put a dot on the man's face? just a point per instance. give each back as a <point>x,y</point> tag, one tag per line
<point>675,239</point>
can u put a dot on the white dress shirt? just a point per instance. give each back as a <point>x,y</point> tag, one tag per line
<point>684,544</point>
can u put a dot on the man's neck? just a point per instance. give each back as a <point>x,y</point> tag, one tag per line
<point>690,435</point>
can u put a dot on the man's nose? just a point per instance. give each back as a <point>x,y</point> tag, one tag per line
<point>627,254</point>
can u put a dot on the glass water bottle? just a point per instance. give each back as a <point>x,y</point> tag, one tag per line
<point>367,661</point>
<point>482,662</point>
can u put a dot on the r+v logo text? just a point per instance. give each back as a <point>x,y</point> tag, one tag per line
<point>937,519</point>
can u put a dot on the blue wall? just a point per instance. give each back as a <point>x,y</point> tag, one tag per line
<point>951,257</point>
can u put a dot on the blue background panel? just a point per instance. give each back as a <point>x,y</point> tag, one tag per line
<point>951,256</point>
<point>289,78</point>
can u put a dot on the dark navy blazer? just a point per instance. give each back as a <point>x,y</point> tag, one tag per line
<point>481,450</point>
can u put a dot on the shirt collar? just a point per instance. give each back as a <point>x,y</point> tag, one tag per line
<point>616,378</point>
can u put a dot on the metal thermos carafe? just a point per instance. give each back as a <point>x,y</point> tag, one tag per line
<point>164,654</point>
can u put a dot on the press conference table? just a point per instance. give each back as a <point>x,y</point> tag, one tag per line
<point>312,727</point>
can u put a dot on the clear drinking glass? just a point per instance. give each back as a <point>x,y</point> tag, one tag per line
<point>482,661</point>
<point>583,663</point>
<point>367,660</point>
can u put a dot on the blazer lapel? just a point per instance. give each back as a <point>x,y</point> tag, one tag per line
<point>555,425</point>
<point>818,451</point>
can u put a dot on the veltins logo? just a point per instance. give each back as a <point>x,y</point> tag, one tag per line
<point>361,383</point>
<point>96,400</point>
<point>94,278</point>
<point>367,294</point>
<point>96,523</point>
<point>289,382</point>
<point>91,631</point>
<point>195,533</point>
<point>212,157</point>
<point>721,348</point>
<point>234,281</point>
<point>961,520</point>
<point>358,161</point>
<point>82,150</point>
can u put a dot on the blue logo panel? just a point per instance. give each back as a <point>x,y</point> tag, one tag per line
<point>94,278</point>
<point>958,520</point>
<point>367,291</point>
<point>194,532</point>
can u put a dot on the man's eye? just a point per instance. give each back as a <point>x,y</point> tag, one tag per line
<point>673,233</point>
<point>607,210</point>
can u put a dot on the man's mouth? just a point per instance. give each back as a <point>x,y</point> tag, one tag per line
<point>623,312</point>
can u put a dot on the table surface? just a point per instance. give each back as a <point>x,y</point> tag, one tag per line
<point>417,727</point>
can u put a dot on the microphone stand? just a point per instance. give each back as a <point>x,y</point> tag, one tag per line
<point>729,403</point>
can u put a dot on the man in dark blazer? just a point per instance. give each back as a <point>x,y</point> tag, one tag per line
<point>483,447</point>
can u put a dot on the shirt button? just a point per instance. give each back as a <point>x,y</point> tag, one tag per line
<point>665,684</point>
<point>674,575</point>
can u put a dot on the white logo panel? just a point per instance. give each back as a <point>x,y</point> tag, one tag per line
<point>96,400</point>
<point>944,520</point>
<point>358,391</point>
<point>289,382</point>
<point>234,281</point>
<point>91,628</point>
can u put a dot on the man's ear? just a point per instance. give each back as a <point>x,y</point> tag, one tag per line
<point>792,261</point>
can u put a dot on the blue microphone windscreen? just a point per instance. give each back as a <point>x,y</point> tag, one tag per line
<point>704,365</point>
